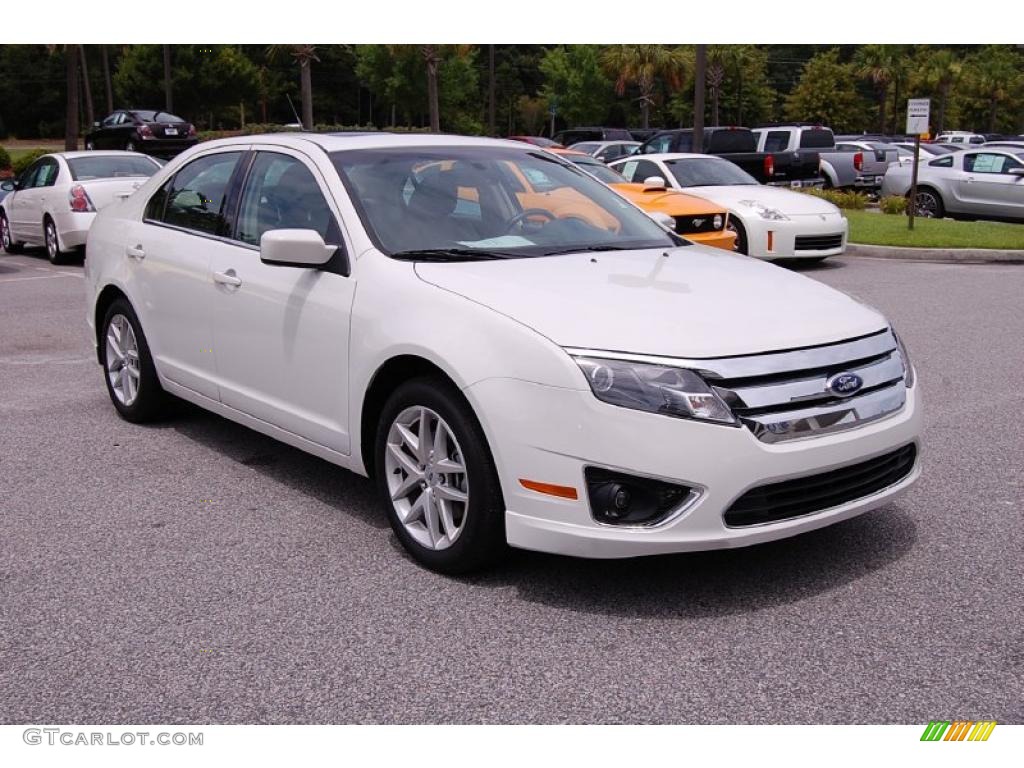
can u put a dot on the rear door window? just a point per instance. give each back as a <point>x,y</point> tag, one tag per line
<point>817,138</point>
<point>195,197</point>
<point>776,141</point>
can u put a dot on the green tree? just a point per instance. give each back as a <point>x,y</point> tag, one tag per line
<point>304,56</point>
<point>937,71</point>
<point>643,66</point>
<point>825,93</point>
<point>880,65</point>
<point>993,79</point>
<point>575,80</point>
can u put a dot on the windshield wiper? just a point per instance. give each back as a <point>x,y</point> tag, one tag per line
<point>449,254</point>
<point>590,248</point>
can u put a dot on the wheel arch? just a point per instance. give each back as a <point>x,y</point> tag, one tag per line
<point>106,297</point>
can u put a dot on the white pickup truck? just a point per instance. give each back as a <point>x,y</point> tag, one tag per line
<point>839,167</point>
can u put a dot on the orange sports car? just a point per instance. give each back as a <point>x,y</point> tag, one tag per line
<point>695,219</point>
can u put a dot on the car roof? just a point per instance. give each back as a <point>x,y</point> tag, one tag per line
<point>93,153</point>
<point>672,156</point>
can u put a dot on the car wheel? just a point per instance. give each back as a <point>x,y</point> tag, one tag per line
<point>929,204</point>
<point>6,239</point>
<point>89,146</point>
<point>436,476</point>
<point>129,146</point>
<point>132,382</point>
<point>740,246</point>
<point>53,251</point>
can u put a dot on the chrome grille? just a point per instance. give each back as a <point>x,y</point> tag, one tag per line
<point>784,395</point>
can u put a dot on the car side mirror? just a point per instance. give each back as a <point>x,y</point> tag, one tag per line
<point>1018,172</point>
<point>96,124</point>
<point>295,248</point>
<point>654,184</point>
<point>8,186</point>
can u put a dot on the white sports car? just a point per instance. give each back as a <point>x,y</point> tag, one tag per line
<point>770,222</point>
<point>53,202</point>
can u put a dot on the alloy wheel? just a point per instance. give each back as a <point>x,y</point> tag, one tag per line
<point>5,233</point>
<point>927,206</point>
<point>427,478</point>
<point>122,360</point>
<point>52,246</point>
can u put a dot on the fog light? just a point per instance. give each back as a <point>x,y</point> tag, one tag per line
<point>620,499</point>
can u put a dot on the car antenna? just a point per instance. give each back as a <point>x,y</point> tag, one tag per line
<point>297,118</point>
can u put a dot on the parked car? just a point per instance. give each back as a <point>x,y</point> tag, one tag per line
<point>505,375</point>
<point>983,183</point>
<point>54,201</point>
<point>928,151</point>
<point>694,218</point>
<point>882,152</point>
<point>739,146</point>
<point>606,151</point>
<point>770,222</point>
<point>1005,144</point>
<point>537,141</point>
<point>840,168</point>
<point>643,134</point>
<point>591,133</point>
<point>961,139</point>
<point>142,130</point>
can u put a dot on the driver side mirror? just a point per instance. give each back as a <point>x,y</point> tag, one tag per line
<point>295,248</point>
<point>1018,172</point>
<point>654,184</point>
<point>96,124</point>
<point>9,185</point>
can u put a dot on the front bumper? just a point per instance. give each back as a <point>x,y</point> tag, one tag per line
<point>721,239</point>
<point>767,239</point>
<point>553,434</point>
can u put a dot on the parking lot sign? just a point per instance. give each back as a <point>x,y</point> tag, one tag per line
<point>917,116</point>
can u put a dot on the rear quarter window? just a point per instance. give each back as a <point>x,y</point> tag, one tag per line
<point>817,138</point>
<point>723,142</point>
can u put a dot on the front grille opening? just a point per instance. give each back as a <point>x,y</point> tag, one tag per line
<point>617,498</point>
<point>692,225</point>
<point>818,242</point>
<point>815,493</point>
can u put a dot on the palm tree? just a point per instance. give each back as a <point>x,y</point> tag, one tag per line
<point>715,78</point>
<point>880,65</point>
<point>305,55</point>
<point>107,84</point>
<point>643,66</point>
<point>90,114</point>
<point>168,90</point>
<point>940,70</point>
<point>432,58</point>
<point>71,55</point>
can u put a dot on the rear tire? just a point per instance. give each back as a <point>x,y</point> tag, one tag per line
<point>929,204</point>
<point>443,502</point>
<point>128,369</point>
<point>6,238</point>
<point>53,251</point>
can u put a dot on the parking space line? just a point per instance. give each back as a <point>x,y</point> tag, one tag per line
<point>39,277</point>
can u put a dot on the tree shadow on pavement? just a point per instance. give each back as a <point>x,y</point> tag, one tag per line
<point>717,583</point>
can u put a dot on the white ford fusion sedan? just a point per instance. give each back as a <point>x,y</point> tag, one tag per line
<point>770,222</point>
<point>514,352</point>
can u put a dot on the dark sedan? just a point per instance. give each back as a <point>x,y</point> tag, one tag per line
<point>142,130</point>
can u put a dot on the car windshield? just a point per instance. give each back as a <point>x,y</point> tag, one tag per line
<point>149,116</point>
<point>708,172</point>
<point>598,170</point>
<point>111,166</point>
<point>452,203</point>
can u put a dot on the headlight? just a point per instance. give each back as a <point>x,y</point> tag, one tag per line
<point>717,221</point>
<point>762,210</point>
<point>908,367</point>
<point>660,389</point>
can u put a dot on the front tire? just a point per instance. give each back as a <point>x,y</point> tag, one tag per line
<point>131,378</point>
<point>436,477</point>
<point>129,146</point>
<point>740,246</point>
<point>6,238</point>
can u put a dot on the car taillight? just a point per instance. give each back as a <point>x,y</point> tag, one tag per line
<point>858,161</point>
<point>79,200</point>
<point>191,130</point>
<point>769,166</point>
<point>145,131</point>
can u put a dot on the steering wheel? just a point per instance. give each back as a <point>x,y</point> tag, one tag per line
<point>521,217</point>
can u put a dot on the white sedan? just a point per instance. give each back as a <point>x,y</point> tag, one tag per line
<point>515,352</point>
<point>54,201</point>
<point>770,222</point>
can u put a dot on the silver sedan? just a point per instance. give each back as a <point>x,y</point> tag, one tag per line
<point>986,183</point>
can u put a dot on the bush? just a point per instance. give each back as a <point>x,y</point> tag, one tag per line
<point>5,160</point>
<point>841,199</point>
<point>26,159</point>
<point>894,204</point>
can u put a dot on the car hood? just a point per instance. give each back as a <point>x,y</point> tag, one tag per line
<point>789,203</point>
<point>693,302</point>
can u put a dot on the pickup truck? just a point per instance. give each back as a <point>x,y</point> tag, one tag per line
<point>840,168</point>
<point>739,146</point>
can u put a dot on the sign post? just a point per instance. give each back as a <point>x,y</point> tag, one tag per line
<point>917,123</point>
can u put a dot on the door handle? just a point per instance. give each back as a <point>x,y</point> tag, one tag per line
<point>228,277</point>
<point>969,179</point>
<point>135,252</point>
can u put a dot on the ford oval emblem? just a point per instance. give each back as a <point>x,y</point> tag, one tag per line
<point>844,384</point>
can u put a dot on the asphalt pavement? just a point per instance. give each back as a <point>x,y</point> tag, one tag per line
<point>197,572</point>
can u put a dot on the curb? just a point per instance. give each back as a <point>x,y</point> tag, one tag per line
<point>949,255</point>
